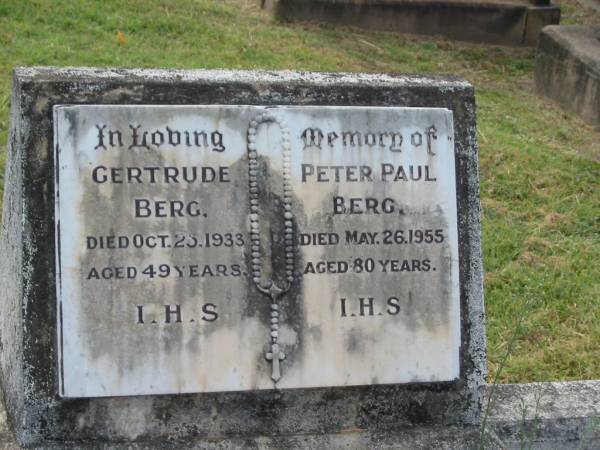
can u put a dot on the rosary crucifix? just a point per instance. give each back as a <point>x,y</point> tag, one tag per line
<point>270,287</point>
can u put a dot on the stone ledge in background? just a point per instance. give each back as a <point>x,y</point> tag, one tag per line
<point>567,69</point>
<point>503,22</point>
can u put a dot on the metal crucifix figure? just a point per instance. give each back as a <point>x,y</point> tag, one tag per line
<point>270,287</point>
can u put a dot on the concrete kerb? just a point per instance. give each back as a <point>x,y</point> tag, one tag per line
<point>553,415</point>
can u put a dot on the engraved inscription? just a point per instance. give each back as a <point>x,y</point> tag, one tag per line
<point>227,248</point>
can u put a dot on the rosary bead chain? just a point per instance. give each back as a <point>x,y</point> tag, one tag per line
<point>254,194</point>
<point>256,261</point>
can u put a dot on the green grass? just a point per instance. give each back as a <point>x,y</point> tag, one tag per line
<point>540,175</point>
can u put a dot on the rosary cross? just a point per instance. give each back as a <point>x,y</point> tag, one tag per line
<point>275,355</point>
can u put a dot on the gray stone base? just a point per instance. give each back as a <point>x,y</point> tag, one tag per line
<point>567,69</point>
<point>563,416</point>
<point>504,22</point>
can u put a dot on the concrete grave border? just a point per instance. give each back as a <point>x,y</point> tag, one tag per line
<point>27,282</point>
<point>556,415</point>
<point>501,22</point>
<point>567,69</point>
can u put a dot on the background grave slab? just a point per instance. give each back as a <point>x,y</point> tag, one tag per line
<point>567,69</point>
<point>499,22</point>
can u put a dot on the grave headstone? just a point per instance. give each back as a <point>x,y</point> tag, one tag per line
<point>297,252</point>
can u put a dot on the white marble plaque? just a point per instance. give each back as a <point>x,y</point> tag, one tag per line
<point>232,248</point>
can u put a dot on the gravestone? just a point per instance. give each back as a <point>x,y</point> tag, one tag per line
<point>204,254</point>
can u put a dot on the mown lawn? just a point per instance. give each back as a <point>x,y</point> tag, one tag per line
<point>540,175</point>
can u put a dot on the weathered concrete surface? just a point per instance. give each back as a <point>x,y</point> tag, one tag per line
<point>510,22</point>
<point>567,69</point>
<point>593,4</point>
<point>560,415</point>
<point>544,416</point>
<point>28,359</point>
